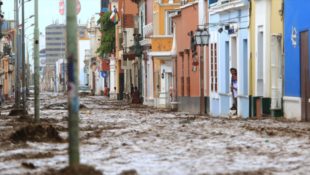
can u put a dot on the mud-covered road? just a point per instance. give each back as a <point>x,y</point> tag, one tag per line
<point>116,136</point>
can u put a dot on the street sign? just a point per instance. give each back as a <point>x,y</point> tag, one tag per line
<point>62,7</point>
<point>104,74</point>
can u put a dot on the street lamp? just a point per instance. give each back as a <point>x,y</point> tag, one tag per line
<point>138,52</point>
<point>202,37</point>
<point>137,46</point>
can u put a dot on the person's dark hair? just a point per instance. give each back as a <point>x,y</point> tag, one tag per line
<point>233,69</point>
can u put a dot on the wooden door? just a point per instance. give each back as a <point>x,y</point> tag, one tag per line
<point>305,76</point>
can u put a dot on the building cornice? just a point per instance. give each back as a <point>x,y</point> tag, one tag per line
<point>161,36</point>
<point>189,4</point>
<point>229,6</point>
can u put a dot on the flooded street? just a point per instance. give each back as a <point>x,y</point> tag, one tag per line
<point>116,136</point>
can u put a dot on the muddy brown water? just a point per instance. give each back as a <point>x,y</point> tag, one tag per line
<point>117,137</point>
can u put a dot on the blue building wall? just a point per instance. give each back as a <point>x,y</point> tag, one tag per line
<point>220,104</point>
<point>296,15</point>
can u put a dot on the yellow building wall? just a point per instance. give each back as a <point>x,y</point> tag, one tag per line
<point>162,16</point>
<point>159,12</point>
<point>276,28</point>
<point>252,49</point>
<point>166,1</point>
<point>157,76</point>
<point>276,18</point>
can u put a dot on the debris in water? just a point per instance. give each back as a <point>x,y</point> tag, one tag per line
<point>129,172</point>
<point>75,170</point>
<point>37,133</point>
<point>28,165</point>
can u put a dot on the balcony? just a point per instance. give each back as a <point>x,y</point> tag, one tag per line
<point>225,5</point>
<point>161,43</point>
<point>148,30</point>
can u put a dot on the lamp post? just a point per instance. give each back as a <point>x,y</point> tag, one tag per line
<point>23,54</point>
<point>17,61</point>
<point>202,37</point>
<point>36,63</point>
<point>23,58</point>
<point>138,53</point>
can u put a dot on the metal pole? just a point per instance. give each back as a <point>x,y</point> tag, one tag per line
<point>17,56</point>
<point>27,72</point>
<point>140,77</point>
<point>73,84</point>
<point>36,63</point>
<point>202,98</point>
<point>63,74</point>
<point>202,21</point>
<point>23,57</point>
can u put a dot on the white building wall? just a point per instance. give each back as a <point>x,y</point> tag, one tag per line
<point>84,45</point>
<point>262,20</point>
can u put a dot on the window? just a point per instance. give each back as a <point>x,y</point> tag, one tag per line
<point>169,22</point>
<point>54,38</point>
<point>214,73</point>
<point>55,44</point>
<point>54,33</point>
<point>56,49</point>
<point>211,2</point>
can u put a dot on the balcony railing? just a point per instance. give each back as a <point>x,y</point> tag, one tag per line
<point>148,30</point>
<point>226,1</point>
<point>223,5</point>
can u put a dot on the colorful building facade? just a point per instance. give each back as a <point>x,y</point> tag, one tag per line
<point>229,48</point>
<point>297,69</point>
<point>266,58</point>
<point>187,63</point>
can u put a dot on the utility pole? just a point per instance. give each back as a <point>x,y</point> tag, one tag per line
<point>23,58</point>
<point>36,63</point>
<point>17,57</point>
<point>73,84</point>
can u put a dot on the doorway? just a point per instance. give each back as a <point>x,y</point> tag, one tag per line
<point>260,64</point>
<point>233,61</point>
<point>305,76</point>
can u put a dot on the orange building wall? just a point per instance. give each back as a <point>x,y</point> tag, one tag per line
<point>5,67</point>
<point>187,21</point>
<point>128,7</point>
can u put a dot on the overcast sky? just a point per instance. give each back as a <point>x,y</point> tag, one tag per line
<point>49,11</point>
<point>48,14</point>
